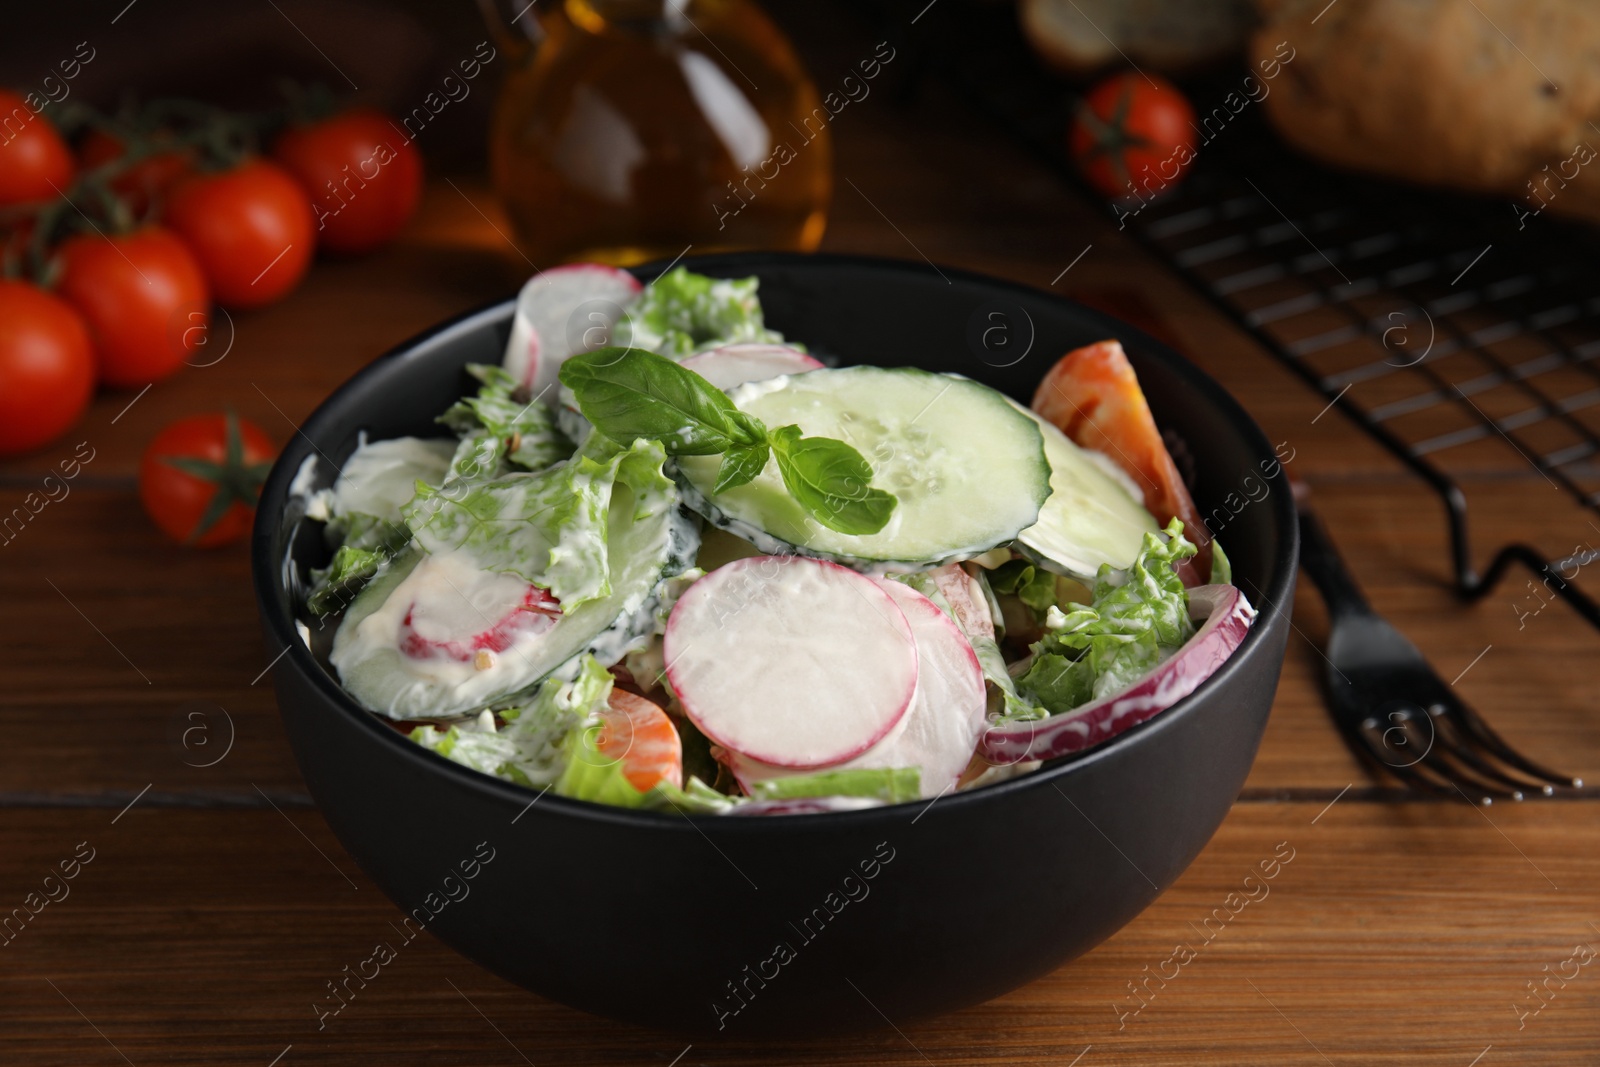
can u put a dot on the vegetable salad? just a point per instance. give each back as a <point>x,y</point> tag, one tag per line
<point>673,561</point>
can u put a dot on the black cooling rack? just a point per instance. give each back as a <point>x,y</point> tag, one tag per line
<point>1461,335</point>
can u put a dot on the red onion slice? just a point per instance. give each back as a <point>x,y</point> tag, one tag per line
<point>1227,616</point>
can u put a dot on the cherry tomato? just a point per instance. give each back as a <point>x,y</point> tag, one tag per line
<point>1131,137</point>
<point>363,174</point>
<point>200,478</point>
<point>144,298</point>
<point>34,161</point>
<point>145,183</point>
<point>46,367</point>
<point>250,228</point>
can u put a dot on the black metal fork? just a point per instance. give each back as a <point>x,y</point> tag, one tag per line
<point>1395,712</point>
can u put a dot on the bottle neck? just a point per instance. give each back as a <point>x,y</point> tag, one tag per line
<point>670,16</point>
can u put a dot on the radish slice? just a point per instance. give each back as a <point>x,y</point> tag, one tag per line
<point>430,630</point>
<point>1227,616</point>
<point>562,311</point>
<point>966,599</point>
<point>733,365</point>
<point>945,720</point>
<point>790,661</point>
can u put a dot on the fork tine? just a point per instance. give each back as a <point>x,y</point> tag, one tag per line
<point>1470,771</point>
<point>1406,772</point>
<point>1370,741</point>
<point>1473,724</point>
<point>1461,749</point>
<point>1462,781</point>
<point>1445,776</point>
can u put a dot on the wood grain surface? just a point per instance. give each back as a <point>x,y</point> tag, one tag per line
<point>217,902</point>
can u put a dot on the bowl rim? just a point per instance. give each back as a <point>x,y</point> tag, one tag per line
<point>281,625</point>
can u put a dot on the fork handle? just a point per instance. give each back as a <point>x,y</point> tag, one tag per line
<point>1321,561</point>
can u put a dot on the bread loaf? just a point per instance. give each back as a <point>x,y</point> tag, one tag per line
<point>1171,36</point>
<point>1493,96</point>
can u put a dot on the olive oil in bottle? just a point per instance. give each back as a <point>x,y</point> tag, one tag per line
<point>637,128</point>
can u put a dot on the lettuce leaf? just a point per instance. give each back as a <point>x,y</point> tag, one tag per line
<point>681,313</point>
<point>1221,569</point>
<point>366,543</point>
<point>695,798</point>
<point>1034,586</point>
<point>359,529</point>
<point>534,746</point>
<point>334,585</point>
<point>1138,618</point>
<point>548,527</point>
<point>591,775</point>
<point>552,742</point>
<point>362,513</point>
<point>501,426</point>
<point>892,785</point>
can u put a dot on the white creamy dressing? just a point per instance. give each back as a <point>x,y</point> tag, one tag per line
<point>381,477</point>
<point>303,488</point>
<point>446,599</point>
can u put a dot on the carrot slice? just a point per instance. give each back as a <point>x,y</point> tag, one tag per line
<point>1093,396</point>
<point>640,734</point>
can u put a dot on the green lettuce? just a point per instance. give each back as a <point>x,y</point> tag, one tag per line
<point>1034,586</point>
<point>535,744</point>
<point>552,742</point>
<point>351,567</point>
<point>501,426</point>
<point>589,774</point>
<point>1221,569</point>
<point>894,785</point>
<point>479,456</point>
<point>366,543</point>
<point>547,527</point>
<point>1138,618</point>
<point>695,798</point>
<point>682,312</point>
<point>357,529</point>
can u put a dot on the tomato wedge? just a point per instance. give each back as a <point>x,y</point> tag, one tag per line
<point>639,734</point>
<point>1093,396</point>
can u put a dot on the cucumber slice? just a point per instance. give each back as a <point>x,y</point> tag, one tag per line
<point>366,650</point>
<point>968,467</point>
<point>1090,517</point>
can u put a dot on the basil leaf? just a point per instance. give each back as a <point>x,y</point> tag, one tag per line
<point>740,465</point>
<point>628,393</point>
<point>831,481</point>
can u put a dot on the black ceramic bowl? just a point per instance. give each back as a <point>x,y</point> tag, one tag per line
<point>799,924</point>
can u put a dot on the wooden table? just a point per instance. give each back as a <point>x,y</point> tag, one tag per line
<point>141,731</point>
